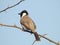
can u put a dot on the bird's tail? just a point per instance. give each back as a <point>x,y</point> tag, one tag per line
<point>36,36</point>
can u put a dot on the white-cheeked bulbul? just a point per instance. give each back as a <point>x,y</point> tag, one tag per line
<point>28,23</point>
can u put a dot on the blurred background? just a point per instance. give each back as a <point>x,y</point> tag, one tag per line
<point>45,13</point>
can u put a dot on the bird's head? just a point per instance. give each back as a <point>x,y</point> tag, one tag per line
<point>23,13</point>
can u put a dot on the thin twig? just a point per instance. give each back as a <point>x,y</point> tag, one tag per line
<point>33,42</point>
<point>13,26</point>
<point>43,36</point>
<point>11,6</point>
<point>48,39</point>
<point>40,40</point>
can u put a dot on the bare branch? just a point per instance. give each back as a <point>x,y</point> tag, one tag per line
<point>33,42</point>
<point>15,26</point>
<point>48,39</point>
<point>41,36</point>
<point>11,6</point>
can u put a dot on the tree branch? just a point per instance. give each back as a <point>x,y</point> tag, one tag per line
<point>11,6</point>
<point>57,43</point>
<point>43,36</point>
<point>15,26</point>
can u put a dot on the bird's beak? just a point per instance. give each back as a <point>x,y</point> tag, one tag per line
<point>18,13</point>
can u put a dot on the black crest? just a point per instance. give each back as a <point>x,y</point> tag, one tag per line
<point>24,11</point>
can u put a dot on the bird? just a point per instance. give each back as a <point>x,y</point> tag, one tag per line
<point>28,23</point>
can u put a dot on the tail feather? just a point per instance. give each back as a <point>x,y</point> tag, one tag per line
<point>36,36</point>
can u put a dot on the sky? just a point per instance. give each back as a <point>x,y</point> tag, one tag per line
<point>45,13</point>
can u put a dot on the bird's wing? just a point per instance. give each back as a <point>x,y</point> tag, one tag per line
<point>28,23</point>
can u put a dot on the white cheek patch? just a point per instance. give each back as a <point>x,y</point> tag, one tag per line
<point>23,14</point>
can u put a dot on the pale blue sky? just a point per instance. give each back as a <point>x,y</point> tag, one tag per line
<point>45,13</point>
